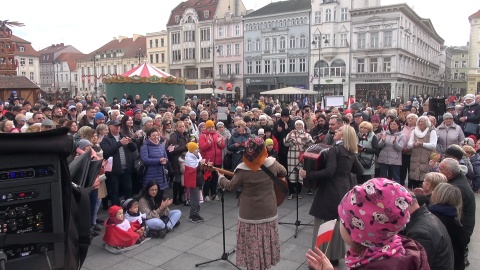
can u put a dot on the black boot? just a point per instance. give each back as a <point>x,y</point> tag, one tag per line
<point>176,191</point>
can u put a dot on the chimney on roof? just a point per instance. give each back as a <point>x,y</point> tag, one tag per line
<point>53,45</point>
<point>62,44</point>
<point>120,38</point>
<point>135,36</point>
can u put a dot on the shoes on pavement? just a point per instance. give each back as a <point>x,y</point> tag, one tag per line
<point>207,199</point>
<point>290,197</point>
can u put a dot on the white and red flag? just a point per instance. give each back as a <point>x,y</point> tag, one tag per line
<point>325,232</point>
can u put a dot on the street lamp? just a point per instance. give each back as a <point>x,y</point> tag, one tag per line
<point>95,55</point>
<point>55,76</point>
<point>319,45</point>
<point>139,55</point>
<point>213,68</point>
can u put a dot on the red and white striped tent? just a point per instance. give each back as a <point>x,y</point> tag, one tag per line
<point>146,70</point>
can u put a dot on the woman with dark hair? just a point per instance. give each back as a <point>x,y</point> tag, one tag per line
<point>126,128</point>
<point>391,144</point>
<point>159,217</point>
<point>73,127</point>
<point>154,156</point>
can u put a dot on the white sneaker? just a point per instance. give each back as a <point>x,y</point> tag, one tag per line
<point>217,198</point>
<point>207,199</point>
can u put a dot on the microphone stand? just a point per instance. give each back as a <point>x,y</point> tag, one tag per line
<point>225,254</point>
<point>297,222</point>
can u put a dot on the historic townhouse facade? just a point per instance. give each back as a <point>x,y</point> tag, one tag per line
<point>277,46</point>
<point>192,35</point>
<point>394,53</point>
<point>474,54</point>
<point>28,60</point>
<point>331,41</point>
<point>114,58</point>
<point>49,65</point>
<point>157,49</point>
<point>459,69</point>
<point>228,60</point>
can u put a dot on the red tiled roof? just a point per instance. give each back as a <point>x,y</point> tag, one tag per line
<point>71,59</point>
<point>53,48</point>
<point>27,45</point>
<point>128,46</point>
<point>199,5</point>
<point>475,15</point>
<point>16,82</point>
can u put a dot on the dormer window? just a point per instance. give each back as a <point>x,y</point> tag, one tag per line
<point>177,19</point>
<point>206,14</point>
<point>21,48</point>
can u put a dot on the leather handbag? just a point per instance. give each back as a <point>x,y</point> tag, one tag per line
<point>366,162</point>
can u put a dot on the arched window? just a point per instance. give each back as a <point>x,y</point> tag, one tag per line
<point>258,45</point>
<point>249,45</point>
<point>303,41</point>
<point>283,43</point>
<point>292,42</point>
<point>328,15</point>
<point>267,44</point>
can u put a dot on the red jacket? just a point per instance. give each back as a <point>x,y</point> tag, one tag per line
<point>210,149</point>
<point>117,237</point>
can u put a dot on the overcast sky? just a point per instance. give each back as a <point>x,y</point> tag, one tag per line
<point>89,24</point>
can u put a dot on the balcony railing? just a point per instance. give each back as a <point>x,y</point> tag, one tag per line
<point>329,1</point>
<point>371,75</point>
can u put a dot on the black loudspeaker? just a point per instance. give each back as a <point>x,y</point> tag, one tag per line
<point>437,105</point>
<point>32,221</point>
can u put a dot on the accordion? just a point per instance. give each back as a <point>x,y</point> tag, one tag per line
<point>314,158</point>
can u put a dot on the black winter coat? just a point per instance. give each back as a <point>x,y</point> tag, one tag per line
<point>180,142</point>
<point>333,182</point>
<point>110,148</point>
<point>468,201</point>
<point>428,230</point>
<point>459,236</point>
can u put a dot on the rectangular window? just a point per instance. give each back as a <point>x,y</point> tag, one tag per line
<point>24,74</point>
<point>220,31</point>
<point>360,65</point>
<point>456,64</point>
<point>237,30</point>
<point>343,40</point>
<point>176,38</point>
<point>478,60</point>
<point>31,76</point>
<point>189,53</point>
<point>156,43</point>
<point>229,49</point>
<point>220,69</point>
<point>220,50</point>
<point>303,65</point>
<point>282,66</point>
<point>328,15</point>
<point>291,65</point>
<point>249,67</point>
<point>157,58</point>
<point>205,34</point>
<point>387,39</point>
<point>462,76</point>
<point>205,53</point>
<point>318,17</point>
<point>176,55</point>
<point>455,76</point>
<point>267,67</point>
<point>237,49</point>
<point>162,42</point>
<point>344,14</point>
<point>373,65</point>
<point>30,61</point>
<point>258,67</point>
<point>330,42</point>
<point>163,57</point>
<point>464,64</point>
<point>151,58</point>
<point>374,40</point>
<point>188,36</point>
<point>387,64</point>
<point>22,61</point>
<point>237,68</point>
<point>229,69</point>
<point>361,41</point>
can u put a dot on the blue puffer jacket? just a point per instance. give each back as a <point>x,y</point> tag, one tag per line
<point>237,152</point>
<point>150,154</point>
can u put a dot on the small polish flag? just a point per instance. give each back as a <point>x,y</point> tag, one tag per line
<point>325,232</point>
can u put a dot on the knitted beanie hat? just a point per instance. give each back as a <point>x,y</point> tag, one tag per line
<point>191,146</point>
<point>209,124</point>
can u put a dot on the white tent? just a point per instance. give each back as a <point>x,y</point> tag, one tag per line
<point>206,91</point>
<point>289,91</point>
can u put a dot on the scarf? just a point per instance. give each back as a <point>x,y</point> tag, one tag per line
<point>390,250</point>
<point>420,134</point>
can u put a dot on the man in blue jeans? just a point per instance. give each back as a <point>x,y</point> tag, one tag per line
<point>121,149</point>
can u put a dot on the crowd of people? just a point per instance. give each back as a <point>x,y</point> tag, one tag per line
<point>432,161</point>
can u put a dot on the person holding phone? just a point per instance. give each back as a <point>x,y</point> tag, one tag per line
<point>122,150</point>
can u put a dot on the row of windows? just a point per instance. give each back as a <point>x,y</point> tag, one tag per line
<point>276,23</point>
<point>22,61</point>
<point>331,16</point>
<point>108,70</point>
<point>374,39</point>
<point>373,65</point>
<point>31,77</point>
<point>162,43</point>
<point>456,64</point>
<point>227,69</point>
<point>290,65</point>
<point>159,58</point>
<point>205,34</point>
<point>206,52</point>
<point>271,43</point>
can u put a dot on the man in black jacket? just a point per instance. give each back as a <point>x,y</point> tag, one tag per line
<point>177,144</point>
<point>429,231</point>
<point>470,115</point>
<point>280,130</point>
<point>121,149</point>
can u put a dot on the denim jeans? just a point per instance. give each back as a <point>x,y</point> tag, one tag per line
<point>390,171</point>
<point>157,223</point>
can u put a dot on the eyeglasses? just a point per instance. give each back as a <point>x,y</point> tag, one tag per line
<point>238,126</point>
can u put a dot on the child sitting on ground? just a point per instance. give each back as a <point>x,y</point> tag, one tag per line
<point>193,180</point>
<point>133,215</point>
<point>119,232</point>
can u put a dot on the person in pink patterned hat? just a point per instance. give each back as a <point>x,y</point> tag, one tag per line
<point>371,217</point>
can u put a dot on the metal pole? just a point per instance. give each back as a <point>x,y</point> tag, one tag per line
<point>95,73</point>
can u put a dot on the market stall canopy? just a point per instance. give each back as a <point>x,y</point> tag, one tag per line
<point>289,91</point>
<point>206,91</point>
<point>146,70</point>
